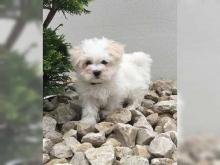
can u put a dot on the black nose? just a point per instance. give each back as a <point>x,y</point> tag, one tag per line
<point>96,73</point>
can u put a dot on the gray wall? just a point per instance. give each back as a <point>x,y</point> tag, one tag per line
<point>199,66</point>
<point>142,25</point>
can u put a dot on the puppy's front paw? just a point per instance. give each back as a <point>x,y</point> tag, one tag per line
<point>88,120</point>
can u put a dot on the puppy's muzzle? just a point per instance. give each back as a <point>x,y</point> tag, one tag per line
<point>96,73</point>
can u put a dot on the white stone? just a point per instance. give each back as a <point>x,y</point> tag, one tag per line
<point>79,159</point>
<point>119,116</point>
<point>61,150</point>
<point>104,155</point>
<point>55,136</point>
<point>122,152</point>
<point>47,145</point>
<point>46,158</point>
<point>96,139</point>
<point>134,160</point>
<point>144,136</point>
<point>126,134</point>
<point>70,133</point>
<point>162,161</point>
<point>162,147</point>
<point>169,106</point>
<point>49,124</point>
<point>106,127</point>
<point>142,151</point>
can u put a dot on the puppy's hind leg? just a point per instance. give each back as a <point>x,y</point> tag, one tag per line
<point>113,104</point>
<point>136,102</point>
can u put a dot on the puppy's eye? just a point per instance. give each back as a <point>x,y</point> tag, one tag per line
<point>104,62</point>
<point>88,62</point>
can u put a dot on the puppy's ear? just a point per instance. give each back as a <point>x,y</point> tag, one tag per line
<point>116,49</point>
<point>75,56</point>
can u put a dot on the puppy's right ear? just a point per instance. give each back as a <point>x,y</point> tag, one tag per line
<point>75,56</point>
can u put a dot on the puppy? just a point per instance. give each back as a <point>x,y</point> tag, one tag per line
<point>107,76</point>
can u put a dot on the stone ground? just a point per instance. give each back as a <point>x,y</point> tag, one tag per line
<point>143,136</point>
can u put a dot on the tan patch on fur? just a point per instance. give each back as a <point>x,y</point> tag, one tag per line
<point>75,55</point>
<point>116,49</point>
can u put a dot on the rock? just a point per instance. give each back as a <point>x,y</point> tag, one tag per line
<point>104,155</point>
<point>153,119</point>
<point>106,127</point>
<point>122,152</point>
<point>46,158</point>
<point>69,125</point>
<point>96,139</point>
<point>83,129</point>
<point>50,104</point>
<point>116,162</point>
<point>173,97</point>
<point>151,95</point>
<point>72,143</point>
<point>158,129</point>
<point>142,151</point>
<point>134,160</point>
<point>70,133</point>
<point>61,150</point>
<point>57,161</point>
<point>119,116</point>
<point>47,145</point>
<point>144,136</point>
<point>169,106</point>
<point>79,159</point>
<point>72,95</point>
<point>162,147</point>
<point>175,116</point>
<point>173,136</point>
<point>163,120</point>
<point>164,87</point>
<point>136,115</point>
<point>148,112</point>
<point>113,142</point>
<point>55,136</point>
<point>143,123</point>
<point>170,126</point>
<point>147,103</point>
<point>174,156</point>
<point>49,124</point>
<point>126,134</point>
<point>161,161</point>
<point>164,98</point>
<point>64,113</point>
<point>83,147</point>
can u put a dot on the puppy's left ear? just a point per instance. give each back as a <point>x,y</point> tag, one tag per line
<point>116,49</point>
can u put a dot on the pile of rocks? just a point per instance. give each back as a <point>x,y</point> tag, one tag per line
<point>142,136</point>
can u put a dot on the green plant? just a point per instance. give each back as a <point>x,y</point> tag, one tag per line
<point>56,62</point>
<point>56,57</point>
<point>64,6</point>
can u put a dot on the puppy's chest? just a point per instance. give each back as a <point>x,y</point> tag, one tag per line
<point>100,94</point>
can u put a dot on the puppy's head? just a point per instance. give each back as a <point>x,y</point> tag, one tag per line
<point>97,60</point>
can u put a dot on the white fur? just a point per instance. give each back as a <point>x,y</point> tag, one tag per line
<point>126,76</point>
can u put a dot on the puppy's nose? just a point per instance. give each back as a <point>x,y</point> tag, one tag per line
<point>96,73</point>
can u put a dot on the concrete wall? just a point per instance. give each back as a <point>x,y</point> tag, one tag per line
<point>142,25</point>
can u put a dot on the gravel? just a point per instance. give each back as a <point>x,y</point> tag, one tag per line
<point>143,136</point>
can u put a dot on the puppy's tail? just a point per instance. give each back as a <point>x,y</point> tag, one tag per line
<point>141,59</point>
<point>143,64</point>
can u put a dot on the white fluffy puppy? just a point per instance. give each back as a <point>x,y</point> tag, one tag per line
<point>107,76</point>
